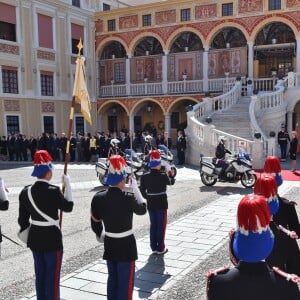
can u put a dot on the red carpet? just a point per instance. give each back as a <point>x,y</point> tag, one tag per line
<point>288,175</point>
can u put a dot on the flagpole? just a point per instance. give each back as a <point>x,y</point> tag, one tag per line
<point>71,117</point>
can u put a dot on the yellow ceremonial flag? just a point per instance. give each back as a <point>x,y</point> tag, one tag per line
<point>80,91</point>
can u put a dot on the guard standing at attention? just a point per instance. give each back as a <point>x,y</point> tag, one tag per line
<point>41,202</point>
<point>252,278</point>
<point>283,138</point>
<point>111,214</point>
<point>154,189</point>
<point>287,218</point>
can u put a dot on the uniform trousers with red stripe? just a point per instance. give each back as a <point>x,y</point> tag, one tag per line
<point>158,224</point>
<point>47,266</point>
<point>120,280</point>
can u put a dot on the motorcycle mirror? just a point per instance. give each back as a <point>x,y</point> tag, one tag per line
<point>201,154</point>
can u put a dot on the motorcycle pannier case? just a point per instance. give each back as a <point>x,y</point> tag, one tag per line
<point>207,167</point>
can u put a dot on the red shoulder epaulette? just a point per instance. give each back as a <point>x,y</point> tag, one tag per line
<point>289,277</point>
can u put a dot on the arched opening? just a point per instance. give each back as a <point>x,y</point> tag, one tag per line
<point>274,50</point>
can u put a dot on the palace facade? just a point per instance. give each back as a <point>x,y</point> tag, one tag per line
<point>146,65</point>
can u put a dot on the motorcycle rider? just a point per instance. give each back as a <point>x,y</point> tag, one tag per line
<point>114,148</point>
<point>220,154</point>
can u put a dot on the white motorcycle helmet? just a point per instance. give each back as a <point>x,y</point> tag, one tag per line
<point>222,139</point>
<point>114,142</point>
<point>148,138</point>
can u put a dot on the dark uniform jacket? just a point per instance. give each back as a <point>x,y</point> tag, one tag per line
<point>115,208</point>
<point>283,137</point>
<point>251,281</point>
<point>155,182</point>
<point>221,151</point>
<point>49,199</point>
<point>287,217</point>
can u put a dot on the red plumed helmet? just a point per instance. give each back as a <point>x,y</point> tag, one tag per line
<point>253,213</point>
<point>272,165</point>
<point>155,155</point>
<point>117,164</point>
<point>265,185</point>
<point>42,157</point>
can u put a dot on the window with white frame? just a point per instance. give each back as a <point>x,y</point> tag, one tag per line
<point>48,124</point>
<point>47,83</point>
<point>12,124</point>
<point>7,22</point>
<point>10,80</point>
<point>79,124</point>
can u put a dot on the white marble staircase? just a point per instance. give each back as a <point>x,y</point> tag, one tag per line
<point>236,120</point>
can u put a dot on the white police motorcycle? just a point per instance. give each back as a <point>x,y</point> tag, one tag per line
<point>238,168</point>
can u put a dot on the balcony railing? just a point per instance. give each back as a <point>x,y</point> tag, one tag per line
<point>172,87</point>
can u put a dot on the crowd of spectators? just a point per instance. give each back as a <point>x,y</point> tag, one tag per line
<point>83,147</point>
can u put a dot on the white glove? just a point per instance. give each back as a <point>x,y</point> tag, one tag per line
<point>3,191</point>
<point>66,181</point>
<point>168,167</point>
<point>137,193</point>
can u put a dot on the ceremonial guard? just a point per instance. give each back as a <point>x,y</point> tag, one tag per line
<point>181,147</point>
<point>112,212</point>
<point>283,138</point>
<point>287,218</point>
<point>41,202</point>
<point>154,189</point>
<point>114,148</point>
<point>252,278</point>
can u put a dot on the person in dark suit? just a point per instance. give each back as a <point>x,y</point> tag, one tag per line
<point>286,217</point>
<point>181,147</point>
<point>252,278</point>
<point>114,208</point>
<point>45,237</point>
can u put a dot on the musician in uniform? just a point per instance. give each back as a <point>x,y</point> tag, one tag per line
<point>154,188</point>
<point>252,278</point>
<point>41,202</point>
<point>286,217</point>
<point>112,211</point>
<point>283,138</point>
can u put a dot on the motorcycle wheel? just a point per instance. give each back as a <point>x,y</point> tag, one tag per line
<point>208,180</point>
<point>248,180</point>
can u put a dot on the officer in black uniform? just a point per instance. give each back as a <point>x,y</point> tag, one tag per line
<point>112,211</point>
<point>45,237</point>
<point>181,147</point>
<point>154,189</point>
<point>287,218</point>
<point>283,138</point>
<point>220,154</point>
<point>252,278</point>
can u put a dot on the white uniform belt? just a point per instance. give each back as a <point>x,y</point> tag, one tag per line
<point>46,223</point>
<point>119,234</point>
<point>156,194</point>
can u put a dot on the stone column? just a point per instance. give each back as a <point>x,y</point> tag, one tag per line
<point>298,55</point>
<point>205,69</point>
<point>165,72</point>
<point>168,123</point>
<point>250,60</point>
<point>131,123</point>
<point>127,67</point>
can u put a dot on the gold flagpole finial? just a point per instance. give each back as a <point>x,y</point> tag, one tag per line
<point>79,46</point>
